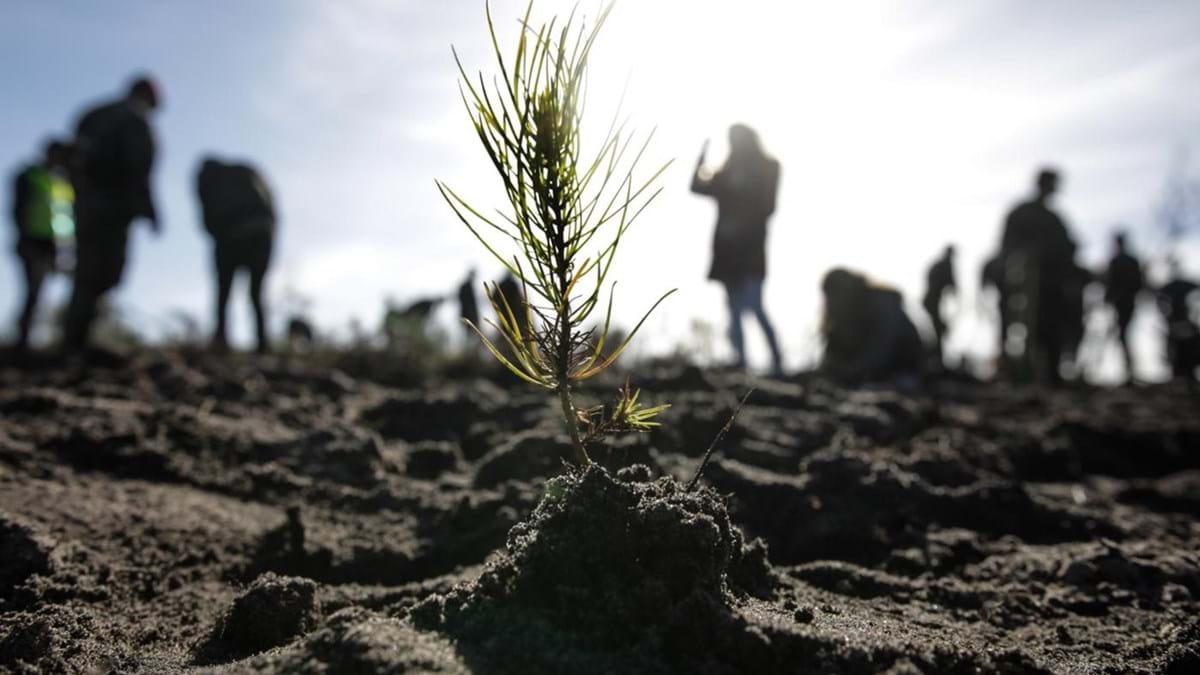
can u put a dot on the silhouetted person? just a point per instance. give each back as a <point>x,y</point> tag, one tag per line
<point>468,307</point>
<point>43,211</point>
<point>239,213</point>
<point>992,276</point>
<point>939,283</point>
<point>868,336</point>
<point>1123,283</point>
<point>115,152</point>
<point>401,324</point>
<point>1175,300</point>
<point>300,334</point>
<point>745,189</point>
<point>420,310</point>
<point>1038,254</point>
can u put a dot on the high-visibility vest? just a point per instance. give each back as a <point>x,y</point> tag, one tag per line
<point>51,210</point>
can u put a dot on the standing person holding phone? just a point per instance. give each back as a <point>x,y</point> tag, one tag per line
<point>744,188</point>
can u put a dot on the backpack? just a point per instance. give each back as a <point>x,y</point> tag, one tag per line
<point>235,200</point>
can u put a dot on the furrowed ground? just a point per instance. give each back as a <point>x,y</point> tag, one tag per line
<point>175,512</point>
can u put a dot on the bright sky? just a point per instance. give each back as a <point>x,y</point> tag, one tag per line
<point>900,127</point>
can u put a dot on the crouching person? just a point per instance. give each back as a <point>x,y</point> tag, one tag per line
<point>239,213</point>
<point>868,336</point>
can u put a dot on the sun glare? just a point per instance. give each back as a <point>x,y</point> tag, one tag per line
<point>819,83</point>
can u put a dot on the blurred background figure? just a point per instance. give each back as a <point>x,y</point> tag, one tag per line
<point>468,309</point>
<point>1123,283</point>
<point>1175,300</point>
<point>1038,255</point>
<point>43,212</point>
<point>114,155</point>
<point>1074,318</point>
<point>745,189</point>
<point>939,286</point>
<point>300,334</point>
<point>403,327</point>
<point>239,213</point>
<point>868,336</point>
<point>994,296</point>
<point>510,289</point>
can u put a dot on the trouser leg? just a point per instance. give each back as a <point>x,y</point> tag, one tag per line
<point>1004,319</point>
<point>225,274</point>
<point>260,311</point>
<point>754,290</point>
<point>81,312</point>
<point>935,320</point>
<point>35,273</point>
<point>939,337</point>
<point>1052,351</point>
<point>736,337</point>
<point>102,236</point>
<point>1126,354</point>
<point>263,249</point>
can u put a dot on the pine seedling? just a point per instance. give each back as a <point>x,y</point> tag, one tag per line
<point>566,217</point>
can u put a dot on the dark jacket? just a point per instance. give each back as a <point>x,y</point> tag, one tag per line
<point>938,280</point>
<point>1174,299</point>
<point>235,201</point>
<point>115,155</point>
<point>468,306</point>
<point>745,194</point>
<point>1036,231</point>
<point>1123,281</point>
<point>1035,234</point>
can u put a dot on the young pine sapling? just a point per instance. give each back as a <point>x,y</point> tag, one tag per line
<point>566,217</point>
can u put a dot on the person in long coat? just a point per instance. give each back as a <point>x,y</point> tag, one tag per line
<point>744,188</point>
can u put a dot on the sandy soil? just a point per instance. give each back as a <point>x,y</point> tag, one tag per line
<point>170,512</point>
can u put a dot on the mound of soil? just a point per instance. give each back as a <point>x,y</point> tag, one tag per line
<point>612,576</point>
<point>25,553</point>
<point>271,612</point>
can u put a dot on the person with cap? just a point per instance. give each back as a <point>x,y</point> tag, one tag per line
<point>114,157</point>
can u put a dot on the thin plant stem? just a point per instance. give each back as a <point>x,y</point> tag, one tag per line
<point>717,439</point>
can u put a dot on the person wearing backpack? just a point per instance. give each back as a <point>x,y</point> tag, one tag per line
<point>114,157</point>
<point>43,211</point>
<point>239,213</point>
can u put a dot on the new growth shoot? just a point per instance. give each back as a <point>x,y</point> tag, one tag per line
<point>566,216</point>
